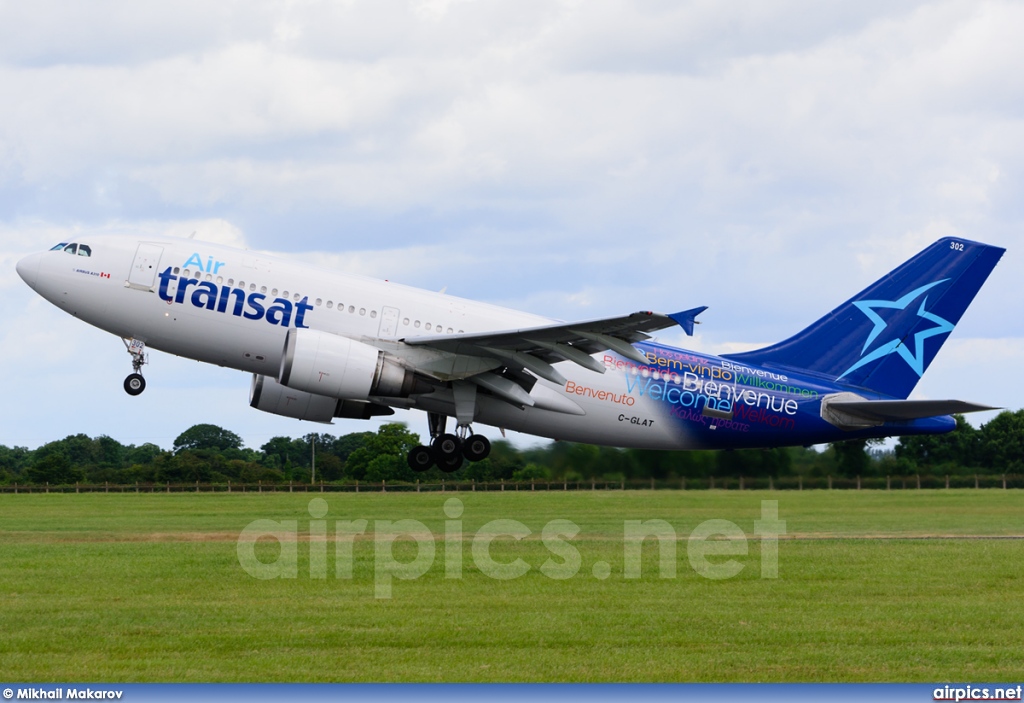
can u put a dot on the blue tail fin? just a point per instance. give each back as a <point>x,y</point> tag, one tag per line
<point>885,337</point>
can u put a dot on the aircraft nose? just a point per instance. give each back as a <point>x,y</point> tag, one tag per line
<point>28,268</point>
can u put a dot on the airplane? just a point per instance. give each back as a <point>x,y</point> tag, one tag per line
<point>322,345</point>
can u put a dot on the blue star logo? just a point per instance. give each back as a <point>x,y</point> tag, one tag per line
<point>915,359</point>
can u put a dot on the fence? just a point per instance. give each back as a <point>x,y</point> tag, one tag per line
<point>741,483</point>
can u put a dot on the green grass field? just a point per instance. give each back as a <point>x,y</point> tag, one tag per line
<point>149,588</point>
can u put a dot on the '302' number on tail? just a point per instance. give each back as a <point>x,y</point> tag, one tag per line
<point>956,246</point>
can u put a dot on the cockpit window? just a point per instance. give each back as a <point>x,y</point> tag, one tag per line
<point>74,248</point>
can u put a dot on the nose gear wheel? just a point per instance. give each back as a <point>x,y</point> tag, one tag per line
<point>134,384</point>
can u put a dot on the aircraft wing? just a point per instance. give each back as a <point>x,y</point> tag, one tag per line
<point>537,348</point>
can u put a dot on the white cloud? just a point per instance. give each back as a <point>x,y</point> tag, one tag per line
<point>571,158</point>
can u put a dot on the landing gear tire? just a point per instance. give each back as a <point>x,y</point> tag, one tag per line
<point>134,384</point>
<point>420,459</point>
<point>447,445</point>
<point>476,448</point>
<point>447,451</point>
<point>450,464</point>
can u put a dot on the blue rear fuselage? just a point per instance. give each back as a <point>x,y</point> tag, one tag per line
<point>768,406</point>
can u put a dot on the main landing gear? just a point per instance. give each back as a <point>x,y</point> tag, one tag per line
<point>448,451</point>
<point>135,383</point>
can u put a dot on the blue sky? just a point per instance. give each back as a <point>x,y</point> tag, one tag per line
<point>574,159</point>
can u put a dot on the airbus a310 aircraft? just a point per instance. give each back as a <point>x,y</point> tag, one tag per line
<point>322,345</point>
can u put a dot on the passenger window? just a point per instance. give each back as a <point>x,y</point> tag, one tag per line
<point>373,313</point>
<point>84,250</point>
<point>417,325</point>
<point>405,322</point>
<point>330,304</point>
<point>351,308</point>
<point>362,311</point>
<point>428,327</point>
<point>319,302</point>
<point>71,248</point>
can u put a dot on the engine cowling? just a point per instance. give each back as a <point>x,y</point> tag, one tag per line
<point>270,396</point>
<point>329,365</point>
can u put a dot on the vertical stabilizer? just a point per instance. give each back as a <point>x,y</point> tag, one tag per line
<point>884,338</point>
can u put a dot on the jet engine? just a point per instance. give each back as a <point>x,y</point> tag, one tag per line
<point>332,366</point>
<point>270,396</point>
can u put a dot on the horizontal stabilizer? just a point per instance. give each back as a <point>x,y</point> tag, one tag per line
<point>688,318</point>
<point>849,411</point>
<point>895,410</point>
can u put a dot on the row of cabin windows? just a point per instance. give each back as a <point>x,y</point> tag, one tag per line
<point>85,250</point>
<point>319,301</point>
<point>73,248</point>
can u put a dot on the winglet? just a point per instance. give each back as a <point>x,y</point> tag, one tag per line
<point>688,318</point>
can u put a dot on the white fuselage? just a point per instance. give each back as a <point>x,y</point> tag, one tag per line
<point>238,314</point>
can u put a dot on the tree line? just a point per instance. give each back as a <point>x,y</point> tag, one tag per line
<point>210,454</point>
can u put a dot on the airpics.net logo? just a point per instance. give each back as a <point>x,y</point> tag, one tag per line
<point>711,547</point>
<point>977,693</point>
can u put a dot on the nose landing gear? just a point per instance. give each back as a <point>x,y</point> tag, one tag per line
<point>135,383</point>
<point>448,451</point>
